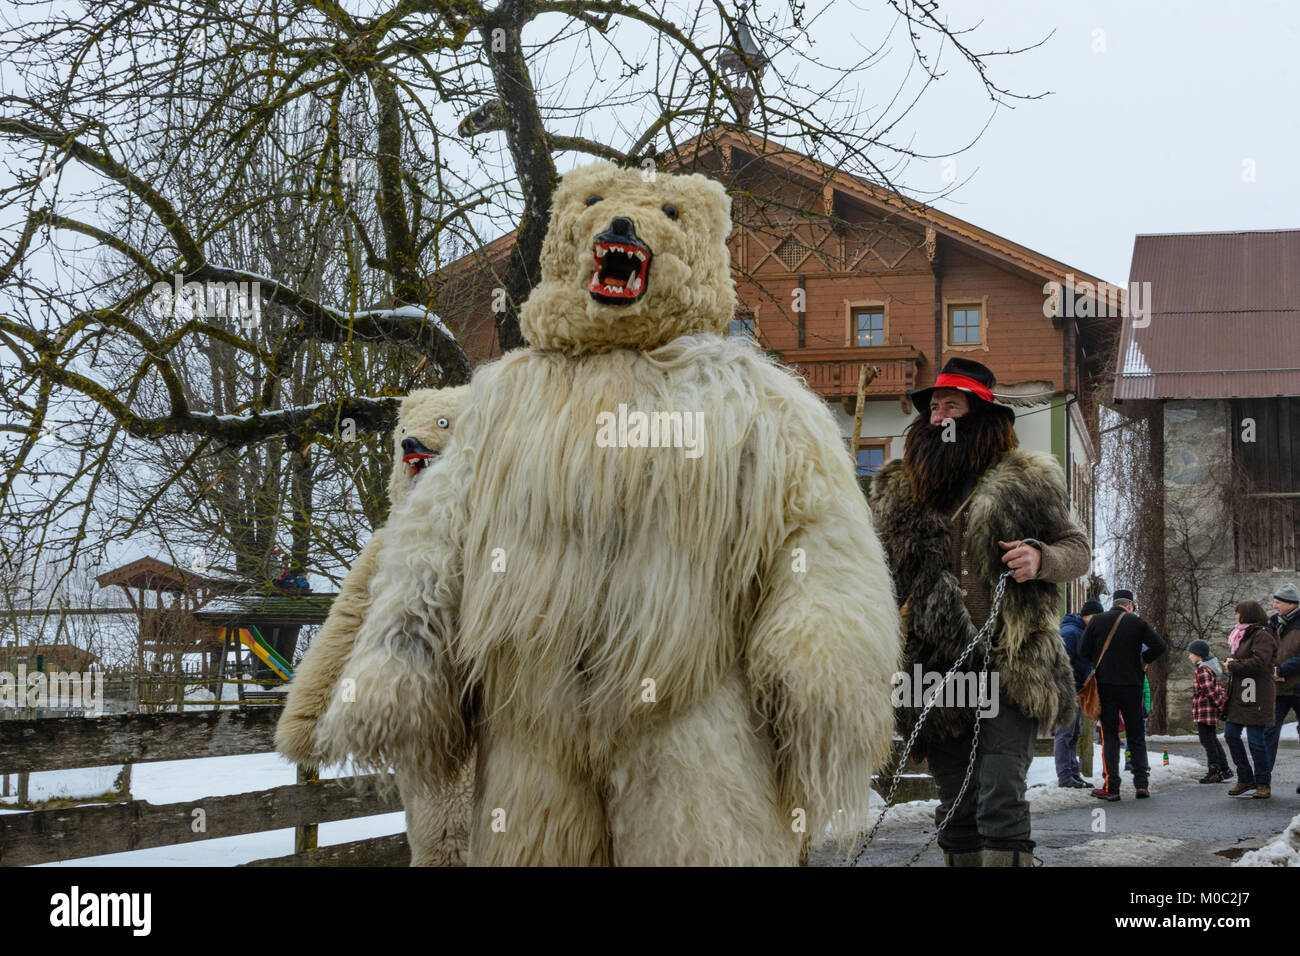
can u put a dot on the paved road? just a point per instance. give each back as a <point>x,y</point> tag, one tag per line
<point>1187,824</point>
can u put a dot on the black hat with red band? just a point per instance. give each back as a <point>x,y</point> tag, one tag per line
<point>972,378</point>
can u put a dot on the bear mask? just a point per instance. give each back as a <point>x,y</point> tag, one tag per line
<point>631,260</point>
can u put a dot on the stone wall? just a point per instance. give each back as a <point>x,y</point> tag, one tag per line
<point>1200,559</point>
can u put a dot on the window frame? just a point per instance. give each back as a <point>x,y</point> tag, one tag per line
<point>745,315</point>
<point>851,307</point>
<point>953,304</point>
<point>881,443</point>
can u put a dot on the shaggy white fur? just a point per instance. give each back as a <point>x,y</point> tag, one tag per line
<point>661,659</point>
<point>436,818</point>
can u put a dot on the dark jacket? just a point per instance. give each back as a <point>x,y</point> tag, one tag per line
<point>1123,662</point>
<point>1287,661</point>
<point>1071,630</point>
<point>1251,671</point>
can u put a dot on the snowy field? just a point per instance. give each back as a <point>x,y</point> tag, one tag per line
<point>179,781</point>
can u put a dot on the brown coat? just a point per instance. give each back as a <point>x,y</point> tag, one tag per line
<point>1288,646</point>
<point>1251,670</point>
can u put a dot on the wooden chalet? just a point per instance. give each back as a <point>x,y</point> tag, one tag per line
<point>833,273</point>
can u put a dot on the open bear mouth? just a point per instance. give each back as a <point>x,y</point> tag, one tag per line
<point>622,272</point>
<point>417,461</point>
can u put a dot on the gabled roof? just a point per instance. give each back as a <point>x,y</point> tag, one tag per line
<point>1019,258</point>
<point>1012,254</point>
<point>1224,319</point>
<point>153,574</point>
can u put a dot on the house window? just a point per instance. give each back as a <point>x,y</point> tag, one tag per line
<point>964,325</point>
<point>742,324</point>
<point>870,326</point>
<point>866,323</point>
<point>1264,486</point>
<point>871,456</point>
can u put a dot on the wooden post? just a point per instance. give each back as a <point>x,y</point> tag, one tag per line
<point>304,837</point>
<point>123,783</point>
<point>1085,747</point>
<point>6,785</point>
<point>133,696</point>
<point>865,378</point>
<point>24,782</point>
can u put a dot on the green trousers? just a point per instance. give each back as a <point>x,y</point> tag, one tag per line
<point>993,812</point>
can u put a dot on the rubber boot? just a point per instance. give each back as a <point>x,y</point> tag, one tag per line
<point>963,857</point>
<point>1008,857</point>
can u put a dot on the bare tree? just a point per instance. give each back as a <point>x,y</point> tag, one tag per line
<point>321,167</point>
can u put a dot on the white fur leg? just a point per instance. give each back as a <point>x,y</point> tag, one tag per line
<point>530,811</point>
<point>701,790</point>
<point>437,819</point>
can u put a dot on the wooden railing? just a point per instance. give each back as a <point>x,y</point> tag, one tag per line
<point>833,373</point>
<point>69,833</point>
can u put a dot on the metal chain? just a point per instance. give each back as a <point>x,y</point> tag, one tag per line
<point>984,636</point>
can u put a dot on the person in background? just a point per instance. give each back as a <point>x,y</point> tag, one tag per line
<point>1066,747</point>
<point>1208,698</point>
<point>1251,696</point>
<point>1119,684</point>
<point>1285,623</point>
<point>1146,712</point>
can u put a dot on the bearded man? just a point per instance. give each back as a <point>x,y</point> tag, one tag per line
<point>963,505</point>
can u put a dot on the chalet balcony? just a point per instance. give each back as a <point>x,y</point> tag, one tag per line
<point>833,373</point>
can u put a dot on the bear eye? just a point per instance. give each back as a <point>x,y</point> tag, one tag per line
<point>670,210</point>
<point>592,200</point>
<point>443,423</point>
<point>403,431</point>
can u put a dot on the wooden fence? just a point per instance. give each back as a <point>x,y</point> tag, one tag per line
<point>54,831</point>
<point>69,833</point>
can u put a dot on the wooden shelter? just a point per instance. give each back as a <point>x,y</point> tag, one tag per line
<point>165,597</point>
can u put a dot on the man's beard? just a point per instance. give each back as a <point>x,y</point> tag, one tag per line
<point>938,470</point>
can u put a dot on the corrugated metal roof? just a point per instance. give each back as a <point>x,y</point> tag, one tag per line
<point>1224,318</point>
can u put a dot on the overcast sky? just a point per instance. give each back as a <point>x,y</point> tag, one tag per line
<point>1157,110</point>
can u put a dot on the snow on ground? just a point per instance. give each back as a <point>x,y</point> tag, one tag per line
<point>182,781</point>
<point>1122,849</point>
<point>1282,850</point>
<point>1045,796</point>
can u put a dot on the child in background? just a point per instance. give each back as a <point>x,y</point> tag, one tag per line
<point>1208,698</point>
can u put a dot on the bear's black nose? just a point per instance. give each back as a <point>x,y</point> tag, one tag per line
<point>622,226</point>
<point>410,445</point>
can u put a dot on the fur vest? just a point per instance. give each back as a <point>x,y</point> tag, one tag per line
<point>1020,496</point>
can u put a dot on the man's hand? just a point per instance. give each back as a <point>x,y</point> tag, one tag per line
<point>1024,559</point>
